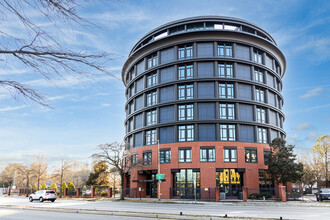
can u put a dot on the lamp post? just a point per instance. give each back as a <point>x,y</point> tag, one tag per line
<point>158,166</point>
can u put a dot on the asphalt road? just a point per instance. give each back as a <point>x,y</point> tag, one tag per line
<point>215,209</point>
<point>32,214</point>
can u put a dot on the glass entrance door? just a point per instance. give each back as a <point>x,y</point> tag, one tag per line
<point>186,184</point>
<point>230,182</point>
<point>151,186</point>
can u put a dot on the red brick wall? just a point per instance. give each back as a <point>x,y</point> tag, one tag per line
<point>207,169</point>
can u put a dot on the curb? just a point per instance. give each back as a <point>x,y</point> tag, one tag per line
<point>125,213</point>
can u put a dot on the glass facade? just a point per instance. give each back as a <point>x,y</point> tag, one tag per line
<point>211,102</point>
<point>165,86</point>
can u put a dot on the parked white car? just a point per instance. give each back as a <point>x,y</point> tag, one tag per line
<point>43,195</point>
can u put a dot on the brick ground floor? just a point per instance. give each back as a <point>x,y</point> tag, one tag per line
<point>200,170</point>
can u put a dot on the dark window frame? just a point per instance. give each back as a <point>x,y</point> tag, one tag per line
<point>231,159</point>
<point>207,150</point>
<point>250,152</point>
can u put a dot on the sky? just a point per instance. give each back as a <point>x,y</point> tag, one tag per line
<point>87,111</point>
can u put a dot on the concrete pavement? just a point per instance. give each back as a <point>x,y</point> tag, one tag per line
<point>170,210</point>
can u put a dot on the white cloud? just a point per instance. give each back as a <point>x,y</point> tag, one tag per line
<point>12,108</point>
<point>311,93</point>
<point>312,136</point>
<point>303,126</point>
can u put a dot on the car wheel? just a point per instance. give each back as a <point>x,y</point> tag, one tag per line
<point>53,200</point>
<point>317,198</point>
<point>41,199</point>
<point>321,199</point>
<point>30,199</point>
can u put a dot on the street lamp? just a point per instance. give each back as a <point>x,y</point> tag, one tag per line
<point>158,166</point>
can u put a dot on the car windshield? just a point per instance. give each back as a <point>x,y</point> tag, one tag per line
<point>50,191</point>
<point>325,190</point>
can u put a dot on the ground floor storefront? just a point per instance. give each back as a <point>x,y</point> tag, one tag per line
<point>200,184</point>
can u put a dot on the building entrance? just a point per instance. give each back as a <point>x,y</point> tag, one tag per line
<point>151,189</point>
<point>186,183</point>
<point>230,182</point>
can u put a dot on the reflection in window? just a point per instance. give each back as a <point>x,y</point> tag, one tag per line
<point>185,155</point>
<point>259,75</point>
<point>186,133</point>
<point>257,56</point>
<point>186,91</point>
<point>251,155</point>
<point>151,79</point>
<point>261,115</point>
<point>225,50</point>
<point>151,98</point>
<point>151,117</point>
<point>151,137</point>
<point>152,60</point>
<point>185,72</point>
<point>165,156</point>
<point>260,95</point>
<point>227,132</point>
<point>225,70</point>
<point>147,159</point>
<point>207,154</point>
<point>186,112</point>
<point>227,111</point>
<point>262,135</point>
<point>185,52</point>
<point>226,90</point>
<point>230,154</point>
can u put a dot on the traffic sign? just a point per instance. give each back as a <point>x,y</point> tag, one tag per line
<point>159,176</point>
<point>48,183</point>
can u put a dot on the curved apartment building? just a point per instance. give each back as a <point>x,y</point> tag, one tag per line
<point>206,92</point>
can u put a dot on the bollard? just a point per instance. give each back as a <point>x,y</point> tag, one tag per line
<point>180,213</point>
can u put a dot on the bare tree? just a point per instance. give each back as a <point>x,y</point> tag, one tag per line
<point>38,49</point>
<point>61,172</point>
<point>26,172</point>
<point>39,169</point>
<point>114,180</point>
<point>118,157</point>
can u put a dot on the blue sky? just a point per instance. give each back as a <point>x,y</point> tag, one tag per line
<point>88,112</point>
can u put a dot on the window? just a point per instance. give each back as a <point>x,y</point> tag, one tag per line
<point>262,135</point>
<point>207,154</point>
<point>260,95</point>
<point>165,156</point>
<point>259,75</point>
<point>152,60</point>
<point>186,112</point>
<point>227,133</point>
<point>151,137</point>
<point>185,52</point>
<point>230,154</point>
<point>151,98</point>
<point>225,70</point>
<point>186,91</point>
<point>225,50</point>
<point>186,133</point>
<point>226,90</point>
<point>135,158</point>
<point>261,115</point>
<point>151,79</point>
<point>185,155</point>
<point>257,56</point>
<point>251,155</point>
<point>147,159</point>
<point>267,153</point>
<point>227,111</point>
<point>151,117</point>
<point>186,72</point>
